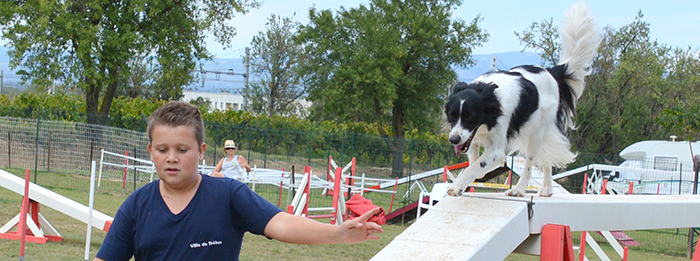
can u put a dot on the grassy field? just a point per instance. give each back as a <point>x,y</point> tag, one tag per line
<point>663,245</point>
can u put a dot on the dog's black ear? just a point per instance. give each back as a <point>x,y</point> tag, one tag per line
<point>488,89</point>
<point>459,86</point>
<point>491,105</point>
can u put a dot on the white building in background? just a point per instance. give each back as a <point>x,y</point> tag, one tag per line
<point>219,101</point>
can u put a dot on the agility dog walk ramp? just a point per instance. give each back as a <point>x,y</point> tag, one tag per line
<point>462,228</point>
<point>55,201</point>
<point>487,226</point>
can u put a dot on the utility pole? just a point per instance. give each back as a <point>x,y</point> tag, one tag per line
<point>247,75</point>
<point>2,79</point>
<point>493,63</point>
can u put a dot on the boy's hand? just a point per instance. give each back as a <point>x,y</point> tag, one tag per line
<point>359,229</point>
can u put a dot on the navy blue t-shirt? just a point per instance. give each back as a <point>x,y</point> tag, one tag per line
<point>211,227</point>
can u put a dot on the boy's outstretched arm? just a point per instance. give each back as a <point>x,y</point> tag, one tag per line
<point>300,230</point>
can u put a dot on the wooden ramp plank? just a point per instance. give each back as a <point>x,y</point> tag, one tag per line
<point>462,228</point>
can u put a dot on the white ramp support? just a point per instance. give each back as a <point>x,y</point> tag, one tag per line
<point>490,226</point>
<point>56,201</point>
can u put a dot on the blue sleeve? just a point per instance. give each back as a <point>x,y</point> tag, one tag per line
<point>119,243</point>
<point>251,210</point>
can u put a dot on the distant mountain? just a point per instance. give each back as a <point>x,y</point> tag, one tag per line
<point>504,61</point>
<point>213,82</point>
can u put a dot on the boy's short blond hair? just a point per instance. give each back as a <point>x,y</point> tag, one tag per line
<point>175,114</point>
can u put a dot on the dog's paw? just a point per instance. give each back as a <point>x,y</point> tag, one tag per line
<point>514,192</point>
<point>454,191</point>
<point>545,192</point>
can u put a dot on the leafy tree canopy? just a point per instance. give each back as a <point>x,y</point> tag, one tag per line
<point>390,61</point>
<point>89,44</point>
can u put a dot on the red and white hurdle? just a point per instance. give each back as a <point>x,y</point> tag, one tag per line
<point>300,204</point>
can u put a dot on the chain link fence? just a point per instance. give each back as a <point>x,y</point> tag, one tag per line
<point>56,149</point>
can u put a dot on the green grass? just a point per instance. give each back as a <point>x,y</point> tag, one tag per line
<point>656,244</point>
<point>261,248</point>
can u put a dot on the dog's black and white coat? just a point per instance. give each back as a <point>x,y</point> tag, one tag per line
<point>527,109</point>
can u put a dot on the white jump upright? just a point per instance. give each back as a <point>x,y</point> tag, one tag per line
<point>488,226</point>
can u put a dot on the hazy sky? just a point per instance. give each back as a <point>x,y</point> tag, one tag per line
<point>672,22</point>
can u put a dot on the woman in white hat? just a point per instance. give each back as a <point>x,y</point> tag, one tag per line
<point>232,165</point>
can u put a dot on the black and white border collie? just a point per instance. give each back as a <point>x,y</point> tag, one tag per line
<point>527,109</point>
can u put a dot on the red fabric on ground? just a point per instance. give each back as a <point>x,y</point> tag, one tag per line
<point>359,205</point>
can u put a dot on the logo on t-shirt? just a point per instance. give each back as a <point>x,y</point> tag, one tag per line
<point>205,244</point>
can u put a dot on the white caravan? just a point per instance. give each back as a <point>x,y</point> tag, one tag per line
<point>652,166</point>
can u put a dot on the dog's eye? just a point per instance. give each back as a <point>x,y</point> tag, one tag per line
<point>467,117</point>
<point>454,118</point>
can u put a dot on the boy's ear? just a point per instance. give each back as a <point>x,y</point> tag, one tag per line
<point>150,153</point>
<point>201,151</point>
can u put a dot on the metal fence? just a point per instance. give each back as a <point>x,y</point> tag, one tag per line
<point>56,149</point>
<point>59,154</point>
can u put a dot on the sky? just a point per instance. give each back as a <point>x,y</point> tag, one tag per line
<point>672,22</point>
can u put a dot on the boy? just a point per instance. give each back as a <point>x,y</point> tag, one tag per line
<point>188,216</point>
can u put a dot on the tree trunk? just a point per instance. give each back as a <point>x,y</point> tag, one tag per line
<point>397,152</point>
<point>399,140</point>
<point>110,92</point>
<point>92,99</point>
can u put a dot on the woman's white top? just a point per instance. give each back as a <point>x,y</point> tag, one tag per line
<point>232,169</point>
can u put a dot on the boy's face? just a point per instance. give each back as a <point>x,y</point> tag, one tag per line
<point>176,154</point>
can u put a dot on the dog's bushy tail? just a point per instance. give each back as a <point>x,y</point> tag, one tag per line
<point>580,41</point>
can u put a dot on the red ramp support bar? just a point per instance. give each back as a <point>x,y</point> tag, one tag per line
<point>279,200</point>
<point>444,175</point>
<point>126,163</point>
<point>696,254</point>
<point>307,173</point>
<point>350,180</point>
<point>458,166</point>
<point>329,174</point>
<point>22,226</point>
<point>556,243</point>
<point>393,196</point>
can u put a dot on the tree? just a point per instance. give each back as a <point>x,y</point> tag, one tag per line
<point>681,117</point>
<point>138,83</point>
<point>274,58</point>
<point>390,62</point>
<point>542,36</point>
<point>88,44</point>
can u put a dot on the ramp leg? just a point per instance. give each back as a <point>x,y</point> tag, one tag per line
<point>10,224</point>
<point>49,231</point>
<point>556,243</point>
